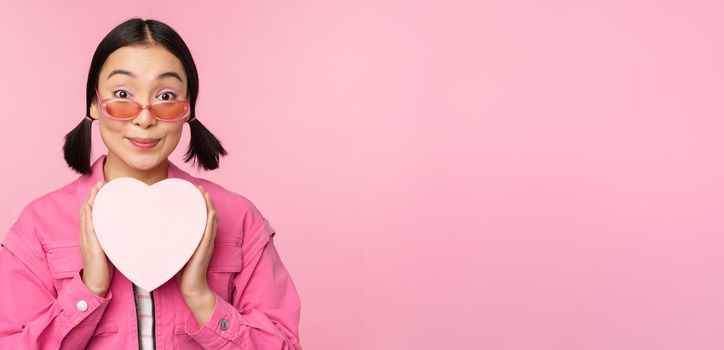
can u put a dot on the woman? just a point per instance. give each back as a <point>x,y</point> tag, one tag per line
<point>58,288</point>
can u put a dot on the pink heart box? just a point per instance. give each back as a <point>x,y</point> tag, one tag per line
<point>149,232</point>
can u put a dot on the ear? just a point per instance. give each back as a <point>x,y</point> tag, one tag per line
<point>94,110</point>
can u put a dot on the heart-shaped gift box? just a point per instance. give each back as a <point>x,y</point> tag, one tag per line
<point>149,232</point>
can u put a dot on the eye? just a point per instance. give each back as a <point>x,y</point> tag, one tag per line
<point>121,93</point>
<point>169,94</point>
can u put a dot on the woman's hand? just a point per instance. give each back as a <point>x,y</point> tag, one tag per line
<point>192,277</point>
<point>97,269</point>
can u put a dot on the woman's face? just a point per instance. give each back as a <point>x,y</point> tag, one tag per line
<point>133,73</point>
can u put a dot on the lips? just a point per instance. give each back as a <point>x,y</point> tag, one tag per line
<point>143,141</point>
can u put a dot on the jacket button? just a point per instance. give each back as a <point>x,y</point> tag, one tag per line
<point>224,324</point>
<point>81,305</point>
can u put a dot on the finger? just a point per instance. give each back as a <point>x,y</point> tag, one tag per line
<point>203,244</point>
<point>209,201</point>
<point>89,224</point>
<point>82,225</point>
<point>90,231</point>
<point>181,271</point>
<point>209,229</point>
<point>207,197</point>
<point>211,232</point>
<point>205,240</point>
<point>87,227</point>
<point>202,190</point>
<point>214,224</point>
<point>94,192</point>
<point>210,205</point>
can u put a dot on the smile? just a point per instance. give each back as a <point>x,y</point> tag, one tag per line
<point>144,143</point>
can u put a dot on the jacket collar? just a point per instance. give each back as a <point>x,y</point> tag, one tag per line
<point>87,181</point>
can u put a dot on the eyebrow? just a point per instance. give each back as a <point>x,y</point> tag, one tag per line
<point>160,76</point>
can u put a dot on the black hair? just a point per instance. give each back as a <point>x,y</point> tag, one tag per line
<point>204,147</point>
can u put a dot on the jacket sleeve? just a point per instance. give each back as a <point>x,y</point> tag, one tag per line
<point>33,315</point>
<point>264,311</point>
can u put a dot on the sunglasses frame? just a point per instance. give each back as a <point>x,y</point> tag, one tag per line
<point>103,105</point>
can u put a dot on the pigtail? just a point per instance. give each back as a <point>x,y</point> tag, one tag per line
<point>77,147</point>
<point>204,147</point>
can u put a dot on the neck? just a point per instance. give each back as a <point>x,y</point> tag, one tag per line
<point>114,167</point>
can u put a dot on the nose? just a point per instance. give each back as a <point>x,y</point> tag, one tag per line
<point>145,119</point>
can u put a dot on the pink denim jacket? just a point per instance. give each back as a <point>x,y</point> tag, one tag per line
<point>45,305</point>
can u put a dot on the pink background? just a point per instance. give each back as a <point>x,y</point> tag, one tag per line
<point>441,175</point>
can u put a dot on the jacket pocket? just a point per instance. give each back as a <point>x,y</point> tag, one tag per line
<point>105,328</point>
<point>64,261</point>
<point>224,264</point>
<point>105,336</point>
<point>183,341</point>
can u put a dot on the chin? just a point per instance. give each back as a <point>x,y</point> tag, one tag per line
<point>144,161</point>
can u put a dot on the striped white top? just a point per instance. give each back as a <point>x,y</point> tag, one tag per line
<point>145,317</point>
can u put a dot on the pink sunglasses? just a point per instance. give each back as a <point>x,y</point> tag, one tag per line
<point>125,109</point>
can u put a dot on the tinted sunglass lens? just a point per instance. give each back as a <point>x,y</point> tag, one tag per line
<point>170,109</point>
<point>122,109</point>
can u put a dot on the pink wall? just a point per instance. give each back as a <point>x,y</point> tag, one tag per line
<point>499,175</point>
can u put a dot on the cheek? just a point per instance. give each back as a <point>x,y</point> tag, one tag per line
<point>110,132</point>
<point>111,127</point>
<point>173,135</point>
<point>175,132</point>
